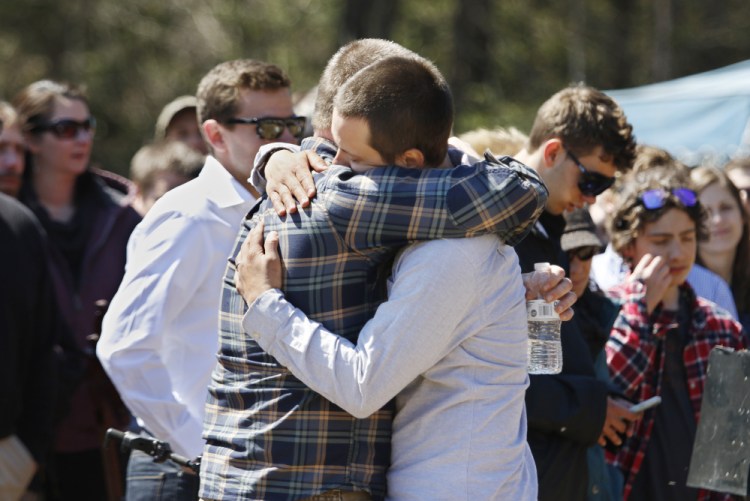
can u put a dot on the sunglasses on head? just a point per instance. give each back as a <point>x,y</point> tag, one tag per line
<point>590,183</point>
<point>273,127</point>
<point>67,128</point>
<point>655,199</point>
<point>584,253</point>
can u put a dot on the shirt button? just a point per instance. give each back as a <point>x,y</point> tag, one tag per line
<point>562,430</point>
<point>595,489</point>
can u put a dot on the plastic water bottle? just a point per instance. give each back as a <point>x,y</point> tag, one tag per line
<point>545,349</point>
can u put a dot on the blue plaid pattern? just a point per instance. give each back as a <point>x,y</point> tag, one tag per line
<point>268,435</point>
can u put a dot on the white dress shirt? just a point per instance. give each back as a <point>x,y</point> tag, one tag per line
<point>160,334</point>
<point>450,344</point>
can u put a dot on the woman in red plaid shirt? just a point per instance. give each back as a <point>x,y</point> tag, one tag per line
<point>661,340</point>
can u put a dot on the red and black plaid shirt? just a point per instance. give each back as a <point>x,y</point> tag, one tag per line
<point>636,364</point>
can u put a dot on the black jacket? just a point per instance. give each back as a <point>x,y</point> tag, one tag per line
<point>565,411</point>
<point>27,330</point>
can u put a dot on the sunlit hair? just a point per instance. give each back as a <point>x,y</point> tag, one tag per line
<point>499,141</point>
<point>703,177</point>
<point>584,118</point>
<point>164,156</point>
<point>35,104</point>
<point>407,104</point>
<point>8,115</point>
<point>630,216</point>
<point>349,59</point>
<point>219,92</point>
<point>651,163</point>
<point>739,163</point>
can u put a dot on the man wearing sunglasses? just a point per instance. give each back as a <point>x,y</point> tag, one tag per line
<point>159,336</point>
<point>579,140</point>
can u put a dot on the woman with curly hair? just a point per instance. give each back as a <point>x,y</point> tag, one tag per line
<point>662,337</point>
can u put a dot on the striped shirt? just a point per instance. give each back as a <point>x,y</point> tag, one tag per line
<point>269,436</point>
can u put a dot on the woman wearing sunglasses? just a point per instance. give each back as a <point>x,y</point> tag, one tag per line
<point>662,337</point>
<point>726,252</point>
<point>88,221</point>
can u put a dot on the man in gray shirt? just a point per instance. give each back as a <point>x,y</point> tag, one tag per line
<point>449,344</point>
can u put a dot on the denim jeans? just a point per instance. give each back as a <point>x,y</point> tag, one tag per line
<point>150,481</point>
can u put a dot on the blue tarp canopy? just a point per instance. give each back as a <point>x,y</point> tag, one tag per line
<point>694,117</point>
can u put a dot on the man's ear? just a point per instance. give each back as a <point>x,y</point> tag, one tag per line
<point>412,158</point>
<point>214,135</point>
<point>552,149</point>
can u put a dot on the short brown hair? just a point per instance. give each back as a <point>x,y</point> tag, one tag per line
<point>407,104</point>
<point>219,91</point>
<point>36,102</point>
<point>347,61</point>
<point>164,156</point>
<point>584,118</point>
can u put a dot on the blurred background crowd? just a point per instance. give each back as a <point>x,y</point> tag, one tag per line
<point>91,157</point>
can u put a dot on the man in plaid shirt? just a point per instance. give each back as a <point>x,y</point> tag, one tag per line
<point>268,435</point>
<point>664,333</point>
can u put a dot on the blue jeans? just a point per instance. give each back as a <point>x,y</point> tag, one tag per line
<point>150,481</point>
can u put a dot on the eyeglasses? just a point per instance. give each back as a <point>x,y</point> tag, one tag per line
<point>66,128</point>
<point>584,253</point>
<point>655,199</point>
<point>590,183</point>
<point>273,127</point>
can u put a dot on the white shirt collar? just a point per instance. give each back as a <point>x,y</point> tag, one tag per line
<point>223,189</point>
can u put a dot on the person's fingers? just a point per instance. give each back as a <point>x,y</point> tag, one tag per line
<point>564,306</point>
<point>300,192</point>
<point>308,185</point>
<point>278,205</point>
<point>271,246</point>
<point>640,267</point>
<point>287,198</point>
<point>316,163</point>
<point>556,287</point>
<point>254,242</point>
<point>618,425</point>
<point>555,274</point>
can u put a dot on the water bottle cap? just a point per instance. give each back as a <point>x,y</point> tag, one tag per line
<point>541,266</point>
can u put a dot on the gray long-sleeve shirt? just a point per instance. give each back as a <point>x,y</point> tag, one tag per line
<point>450,345</point>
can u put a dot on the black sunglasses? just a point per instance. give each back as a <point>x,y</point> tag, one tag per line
<point>590,183</point>
<point>584,253</point>
<point>273,127</point>
<point>67,128</point>
<point>655,199</point>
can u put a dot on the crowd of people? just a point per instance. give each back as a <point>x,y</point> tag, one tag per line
<point>343,316</point>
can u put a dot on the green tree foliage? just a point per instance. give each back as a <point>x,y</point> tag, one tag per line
<point>503,57</point>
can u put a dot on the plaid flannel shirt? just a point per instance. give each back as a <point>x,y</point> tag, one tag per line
<point>636,362</point>
<point>268,435</point>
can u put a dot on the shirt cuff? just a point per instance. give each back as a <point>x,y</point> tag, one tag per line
<point>265,317</point>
